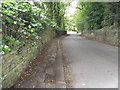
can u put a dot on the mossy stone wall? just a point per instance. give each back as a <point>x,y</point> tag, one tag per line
<point>14,63</point>
<point>105,35</point>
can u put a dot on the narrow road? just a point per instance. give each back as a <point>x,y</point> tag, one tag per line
<point>93,64</point>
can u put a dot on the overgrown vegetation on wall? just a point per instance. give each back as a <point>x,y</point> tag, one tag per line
<point>99,20</point>
<point>96,15</point>
<point>26,28</point>
<point>22,22</point>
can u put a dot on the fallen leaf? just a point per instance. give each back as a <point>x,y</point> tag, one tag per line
<point>33,86</point>
<point>18,85</point>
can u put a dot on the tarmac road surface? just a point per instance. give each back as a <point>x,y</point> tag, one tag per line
<point>93,64</point>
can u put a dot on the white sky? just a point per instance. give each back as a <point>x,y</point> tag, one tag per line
<point>70,10</point>
<point>71,32</point>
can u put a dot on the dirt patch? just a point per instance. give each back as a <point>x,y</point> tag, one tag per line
<point>37,69</point>
<point>44,71</point>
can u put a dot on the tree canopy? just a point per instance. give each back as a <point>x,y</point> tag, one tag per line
<point>96,15</point>
<point>23,21</point>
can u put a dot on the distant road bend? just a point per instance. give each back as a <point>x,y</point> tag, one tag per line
<point>93,64</point>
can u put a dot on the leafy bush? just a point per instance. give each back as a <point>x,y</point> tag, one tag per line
<point>22,23</point>
<point>97,15</point>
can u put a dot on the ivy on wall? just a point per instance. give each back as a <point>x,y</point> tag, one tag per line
<point>22,22</point>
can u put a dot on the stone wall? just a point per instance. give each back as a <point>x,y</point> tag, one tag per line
<point>14,63</point>
<point>105,35</point>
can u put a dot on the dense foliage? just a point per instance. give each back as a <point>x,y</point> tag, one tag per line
<point>96,15</point>
<point>22,22</point>
<point>57,12</point>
